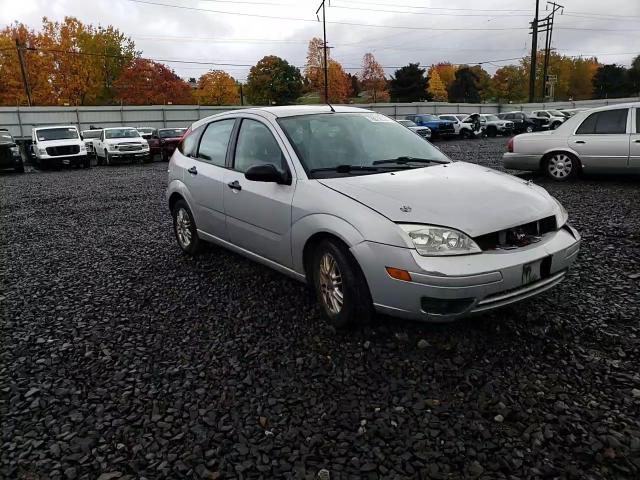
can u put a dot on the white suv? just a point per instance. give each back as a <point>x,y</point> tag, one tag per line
<point>60,145</point>
<point>121,144</point>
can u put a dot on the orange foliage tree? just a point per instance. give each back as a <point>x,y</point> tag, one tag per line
<point>436,87</point>
<point>217,88</point>
<point>339,82</point>
<point>146,82</point>
<point>446,72</point>
<point>373,79</point>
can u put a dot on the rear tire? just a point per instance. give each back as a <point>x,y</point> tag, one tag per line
<point>528,129</point>
<point>185,229</point>
<point>340,285</point>
<point>561,166</point>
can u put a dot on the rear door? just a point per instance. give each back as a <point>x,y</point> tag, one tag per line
<point>259,213</point>
<point>205,177</point>
<point>602,141</point>
<point>634,145</point>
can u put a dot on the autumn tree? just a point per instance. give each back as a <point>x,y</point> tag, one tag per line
<point>146,82</point>
<point>373,79</point>
<point>510,83</point>
<point>409,84</point>
<point>273,81</point>
<point>339,83</point>
<point>436,87</point>
<point>446,72</point>
<point>217,88</point>
<point>484,83</point>
<point>611,81</point>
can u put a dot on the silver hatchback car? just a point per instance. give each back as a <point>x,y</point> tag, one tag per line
<point>367,212</point>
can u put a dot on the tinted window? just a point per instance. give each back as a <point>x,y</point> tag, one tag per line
<point>607,122</point>
<point>171,132</point>
<point>189,143</point>
<point>57,134</point>
<point>256,146</point>
<point>122,133</point>
<point>215,139</point>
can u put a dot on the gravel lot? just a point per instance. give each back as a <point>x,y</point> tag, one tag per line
<point>123,358</point>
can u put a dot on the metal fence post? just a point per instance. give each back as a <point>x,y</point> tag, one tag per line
<point>78,119</point>
<point>121,114</point>
<point>395,112</point>
<point>20,122</point>
<point>164,116</point>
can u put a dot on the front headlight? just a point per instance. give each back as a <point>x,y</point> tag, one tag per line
<point>563,216</point>
<point>15,150</point>
<point>42,151</point>
<point>83,147</point>
<point>111,146</point>
<point>430,240</point>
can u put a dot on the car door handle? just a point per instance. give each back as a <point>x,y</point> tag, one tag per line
<point>580,141</point>
<point>193,170</point>
<point>637,141</point>
<point>235,185</point>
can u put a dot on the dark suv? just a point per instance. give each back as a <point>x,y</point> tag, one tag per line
<point>523,122</point>
<point>10,156</point>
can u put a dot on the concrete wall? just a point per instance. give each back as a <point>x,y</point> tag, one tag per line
<point>20,120</point>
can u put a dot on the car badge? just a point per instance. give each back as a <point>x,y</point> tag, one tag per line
<point>405,208</point>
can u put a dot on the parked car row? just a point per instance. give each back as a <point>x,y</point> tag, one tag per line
<point>59,145</point>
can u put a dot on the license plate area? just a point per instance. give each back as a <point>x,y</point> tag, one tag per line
<point>536,271</point>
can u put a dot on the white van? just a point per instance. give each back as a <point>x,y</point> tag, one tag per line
<point>59,145</point>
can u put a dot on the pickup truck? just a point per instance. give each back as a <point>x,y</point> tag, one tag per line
<point>10,156</point>
<point>438,127</point>
<point>495,125</point>
<point>121,144</point>
<point>554,117</point>
<point>165,141</point>
<point>59,145</point>
<point>524,123</point>
<point>90,137</point>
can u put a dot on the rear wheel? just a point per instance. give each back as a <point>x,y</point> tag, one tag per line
<point>529,128</point>
<point>340,285</point>
<point>561,166</point>
<point>184,228</point>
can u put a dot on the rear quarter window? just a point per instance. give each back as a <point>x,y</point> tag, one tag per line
<point>189,143</point>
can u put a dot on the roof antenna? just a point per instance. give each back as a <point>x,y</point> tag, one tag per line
<point>331,107</point>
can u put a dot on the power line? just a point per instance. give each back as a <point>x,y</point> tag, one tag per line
<point>452,14</point>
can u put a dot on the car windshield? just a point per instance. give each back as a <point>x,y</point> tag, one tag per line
<point>430,118</point>
<point>171,132</point>
<point>145,130</point>
<point>91,133</point>
<point>122,133</point>
<point>57,133</point>
<point>5,137</point>
<point>356,143</point>
<point>491,118</point>
<point>556,113</point>
<point>407,123</point>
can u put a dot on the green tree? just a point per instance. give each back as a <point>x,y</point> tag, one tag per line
<point>510,83</point>
<point>634,76</point>
<point>484,83</point>
<point>611,81</point>
<point>409,84</point>
<point>273,81</point>
<point>464,88</point>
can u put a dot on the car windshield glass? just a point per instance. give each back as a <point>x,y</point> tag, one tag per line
<point>171,133</point>
<point>429,118</point>
<point>92,133</point>
<point>145,130</point>
<point>407,123</point>
<point>328,141</point>
<point>122,133</point>
<point>556,113</point>
<point>5,138</point>
<point>491,118</point>
<point>57,134</point>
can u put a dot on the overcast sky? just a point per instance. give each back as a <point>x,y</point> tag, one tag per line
<point>439,30</point>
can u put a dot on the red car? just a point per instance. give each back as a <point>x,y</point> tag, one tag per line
<point>164,141</point>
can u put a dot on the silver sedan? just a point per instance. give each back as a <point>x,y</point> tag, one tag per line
<point>600,140</point>
<point>374,218</point>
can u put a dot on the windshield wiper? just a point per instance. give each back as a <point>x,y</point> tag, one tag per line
<point>405,160</point>
<point>345,169</point>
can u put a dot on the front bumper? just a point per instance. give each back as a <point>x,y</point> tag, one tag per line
<point>519,161</point>
<point>63,159</point>
<point>136,155</point>
<point>469,284</point>
<point>10,161</point>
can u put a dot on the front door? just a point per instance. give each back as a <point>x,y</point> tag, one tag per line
<point>205,178</point>
<point>634,145</point>
<point>602,141</point>
<point>259,213</point>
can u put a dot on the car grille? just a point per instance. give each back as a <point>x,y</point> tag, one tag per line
<point>516,237</point>
<point>508,125</point>
<point>423,132</point>
<point>129,147</point>
<point>63,150</point>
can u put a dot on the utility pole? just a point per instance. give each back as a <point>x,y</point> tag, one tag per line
<point>23,69</point>
<point>547,48</point>
<point>241,96</point>
<point>324,47</point>
<point>534,52</point>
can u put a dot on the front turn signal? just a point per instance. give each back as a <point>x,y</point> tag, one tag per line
<point>399,274</point>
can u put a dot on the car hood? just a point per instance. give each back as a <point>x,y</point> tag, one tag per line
<point>473,199</point>
<point>58,143</point>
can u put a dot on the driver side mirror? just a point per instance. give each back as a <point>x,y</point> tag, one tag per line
<point>267,173</point>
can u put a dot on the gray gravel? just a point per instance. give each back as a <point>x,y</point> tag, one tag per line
<point>123,358</point>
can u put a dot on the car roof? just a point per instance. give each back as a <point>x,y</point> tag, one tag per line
<point>119,128</point>
<point>54,126</point>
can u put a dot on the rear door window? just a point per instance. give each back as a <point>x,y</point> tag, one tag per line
<point>214,142</point>
<point>605,123</point>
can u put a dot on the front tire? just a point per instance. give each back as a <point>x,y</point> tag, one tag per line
<point>86,163</point>
<point>464,134</point>
<point>107,158</point>
<point>529,129</point>
<point>340,285</point>
<point>492,132</point>
<point>561,166</point>
<point>185,229</point>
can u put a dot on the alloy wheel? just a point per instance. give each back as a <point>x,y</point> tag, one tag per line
<point>560,166</point>
<point>331,284</point>
<point>183,228</point>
